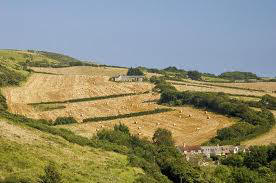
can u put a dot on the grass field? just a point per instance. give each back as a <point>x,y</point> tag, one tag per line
<point>73,85</point>
<point>25,152</point>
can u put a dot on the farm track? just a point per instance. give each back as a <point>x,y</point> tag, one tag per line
<point>71,86</point>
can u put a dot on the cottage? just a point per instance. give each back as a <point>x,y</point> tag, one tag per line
<point>123,78</point>
<point>210,150</point>
<point>190,149</point>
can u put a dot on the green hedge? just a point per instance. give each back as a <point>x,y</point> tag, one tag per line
<point>65,120</point>
<point>129,115</point>
<point>90,98</point>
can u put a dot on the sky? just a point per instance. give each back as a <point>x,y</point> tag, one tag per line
<point>207,35</point>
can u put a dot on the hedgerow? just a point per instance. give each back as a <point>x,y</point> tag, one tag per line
<point>129,115</point>
<point>64,121</point>
<point>89,98</point>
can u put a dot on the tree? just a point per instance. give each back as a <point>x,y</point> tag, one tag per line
<point>256,157</point>
<point>194,75</point>
<point>51,175</point>
<point>233,160</point>
<point>135,72</point>
<point>222,172</point>
<point>122,128</point>
<point>244,175</point>
<point>163,137</point>
<point>237,75</point>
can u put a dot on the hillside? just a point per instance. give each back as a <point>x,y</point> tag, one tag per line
<point>123,131</point>
<point>77,83</point>
<point>25,152</point>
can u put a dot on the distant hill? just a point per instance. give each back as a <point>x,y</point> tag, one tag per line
<point>14,63</point>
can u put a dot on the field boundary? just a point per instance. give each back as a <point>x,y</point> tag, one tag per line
<point>129,115</point>
<point>89,98</point>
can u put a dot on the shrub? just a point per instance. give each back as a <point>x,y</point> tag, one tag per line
<point>64,121</point>
<point>51,175</point>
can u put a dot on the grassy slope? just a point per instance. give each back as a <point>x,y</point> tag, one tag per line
<point>24,153</point>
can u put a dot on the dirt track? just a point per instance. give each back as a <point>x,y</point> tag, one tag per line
<point>45,87</point>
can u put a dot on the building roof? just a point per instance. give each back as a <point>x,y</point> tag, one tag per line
<point>189,148</point>
<point>125,76</point>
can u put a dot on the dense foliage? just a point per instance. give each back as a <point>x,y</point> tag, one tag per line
<point>194,75</point>
<point>257,163</point>
<point>252,122</point>
<point>135,72</point>
<point>237,75</point>
<point>153,157</point>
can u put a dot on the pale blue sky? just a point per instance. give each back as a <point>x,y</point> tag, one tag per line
<point>207,35</point>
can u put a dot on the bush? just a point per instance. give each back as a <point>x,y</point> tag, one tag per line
<point>51,175</point>
<point>64,121</point>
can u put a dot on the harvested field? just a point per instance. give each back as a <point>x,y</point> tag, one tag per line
<point>47,88</point>
<point>204,88</point>
<point>83,70</point>
<point>87,70</point>
<point>267,86</point>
